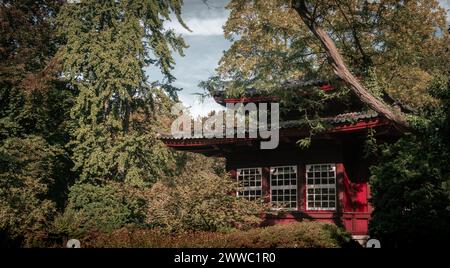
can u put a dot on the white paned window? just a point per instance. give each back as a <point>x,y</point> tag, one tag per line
<point>250,183</point>
<point>321,187</point>
<point>283,187</point>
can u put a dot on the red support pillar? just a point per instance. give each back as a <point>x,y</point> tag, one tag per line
<point>266,184</point>
<point>301,187</point>
<point>233,174</point>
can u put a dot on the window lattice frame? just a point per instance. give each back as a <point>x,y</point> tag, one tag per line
<point>321,187</point>
<point>250,183</point>
<point>283,187</point>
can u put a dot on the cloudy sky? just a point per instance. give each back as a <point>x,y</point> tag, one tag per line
<point>206,46</point>
<point>446,5</point>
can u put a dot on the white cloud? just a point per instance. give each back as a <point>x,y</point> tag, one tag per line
<point>205,27</point>
<point>197,107</point>
<point>446,4</point>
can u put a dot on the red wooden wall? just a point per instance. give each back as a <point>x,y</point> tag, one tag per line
<point>353,209</point>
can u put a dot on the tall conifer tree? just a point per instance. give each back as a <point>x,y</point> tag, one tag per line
<point>108,44</point>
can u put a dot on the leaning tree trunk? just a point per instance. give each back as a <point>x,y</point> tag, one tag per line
<point>341,69</point>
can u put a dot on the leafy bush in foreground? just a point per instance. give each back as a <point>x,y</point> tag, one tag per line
<point>90,207</point>
<point>199,199</point>
<point>295,235</point>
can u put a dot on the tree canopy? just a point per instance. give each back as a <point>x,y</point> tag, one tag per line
<point>274,43</point>
<point>34,106</point>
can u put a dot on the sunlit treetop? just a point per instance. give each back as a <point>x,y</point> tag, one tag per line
<point>400,44</point>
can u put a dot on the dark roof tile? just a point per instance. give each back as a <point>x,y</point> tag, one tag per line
<point>348,118</point>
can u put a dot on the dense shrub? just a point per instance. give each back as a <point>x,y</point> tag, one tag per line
<point>90,206</point>
<point>295,235</point>
<point>411,204</point>
<point>27,175</point>
<point>200,199</point>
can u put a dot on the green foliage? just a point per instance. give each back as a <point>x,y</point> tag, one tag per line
<point>295,235</point>
<point>199,199</point>
<point>32,99</point>
<point>410,182</point>
<point>371,145</point>
<point>135,159</point>
<point>315,127</point>
<point>304,143</point>
<point>93,207</point>
<point>27,45</point>
<point>411,203</point>
<point>107,45</point>
<point>34,105</point>
<point>28,169</point>
<point>271,44</point>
